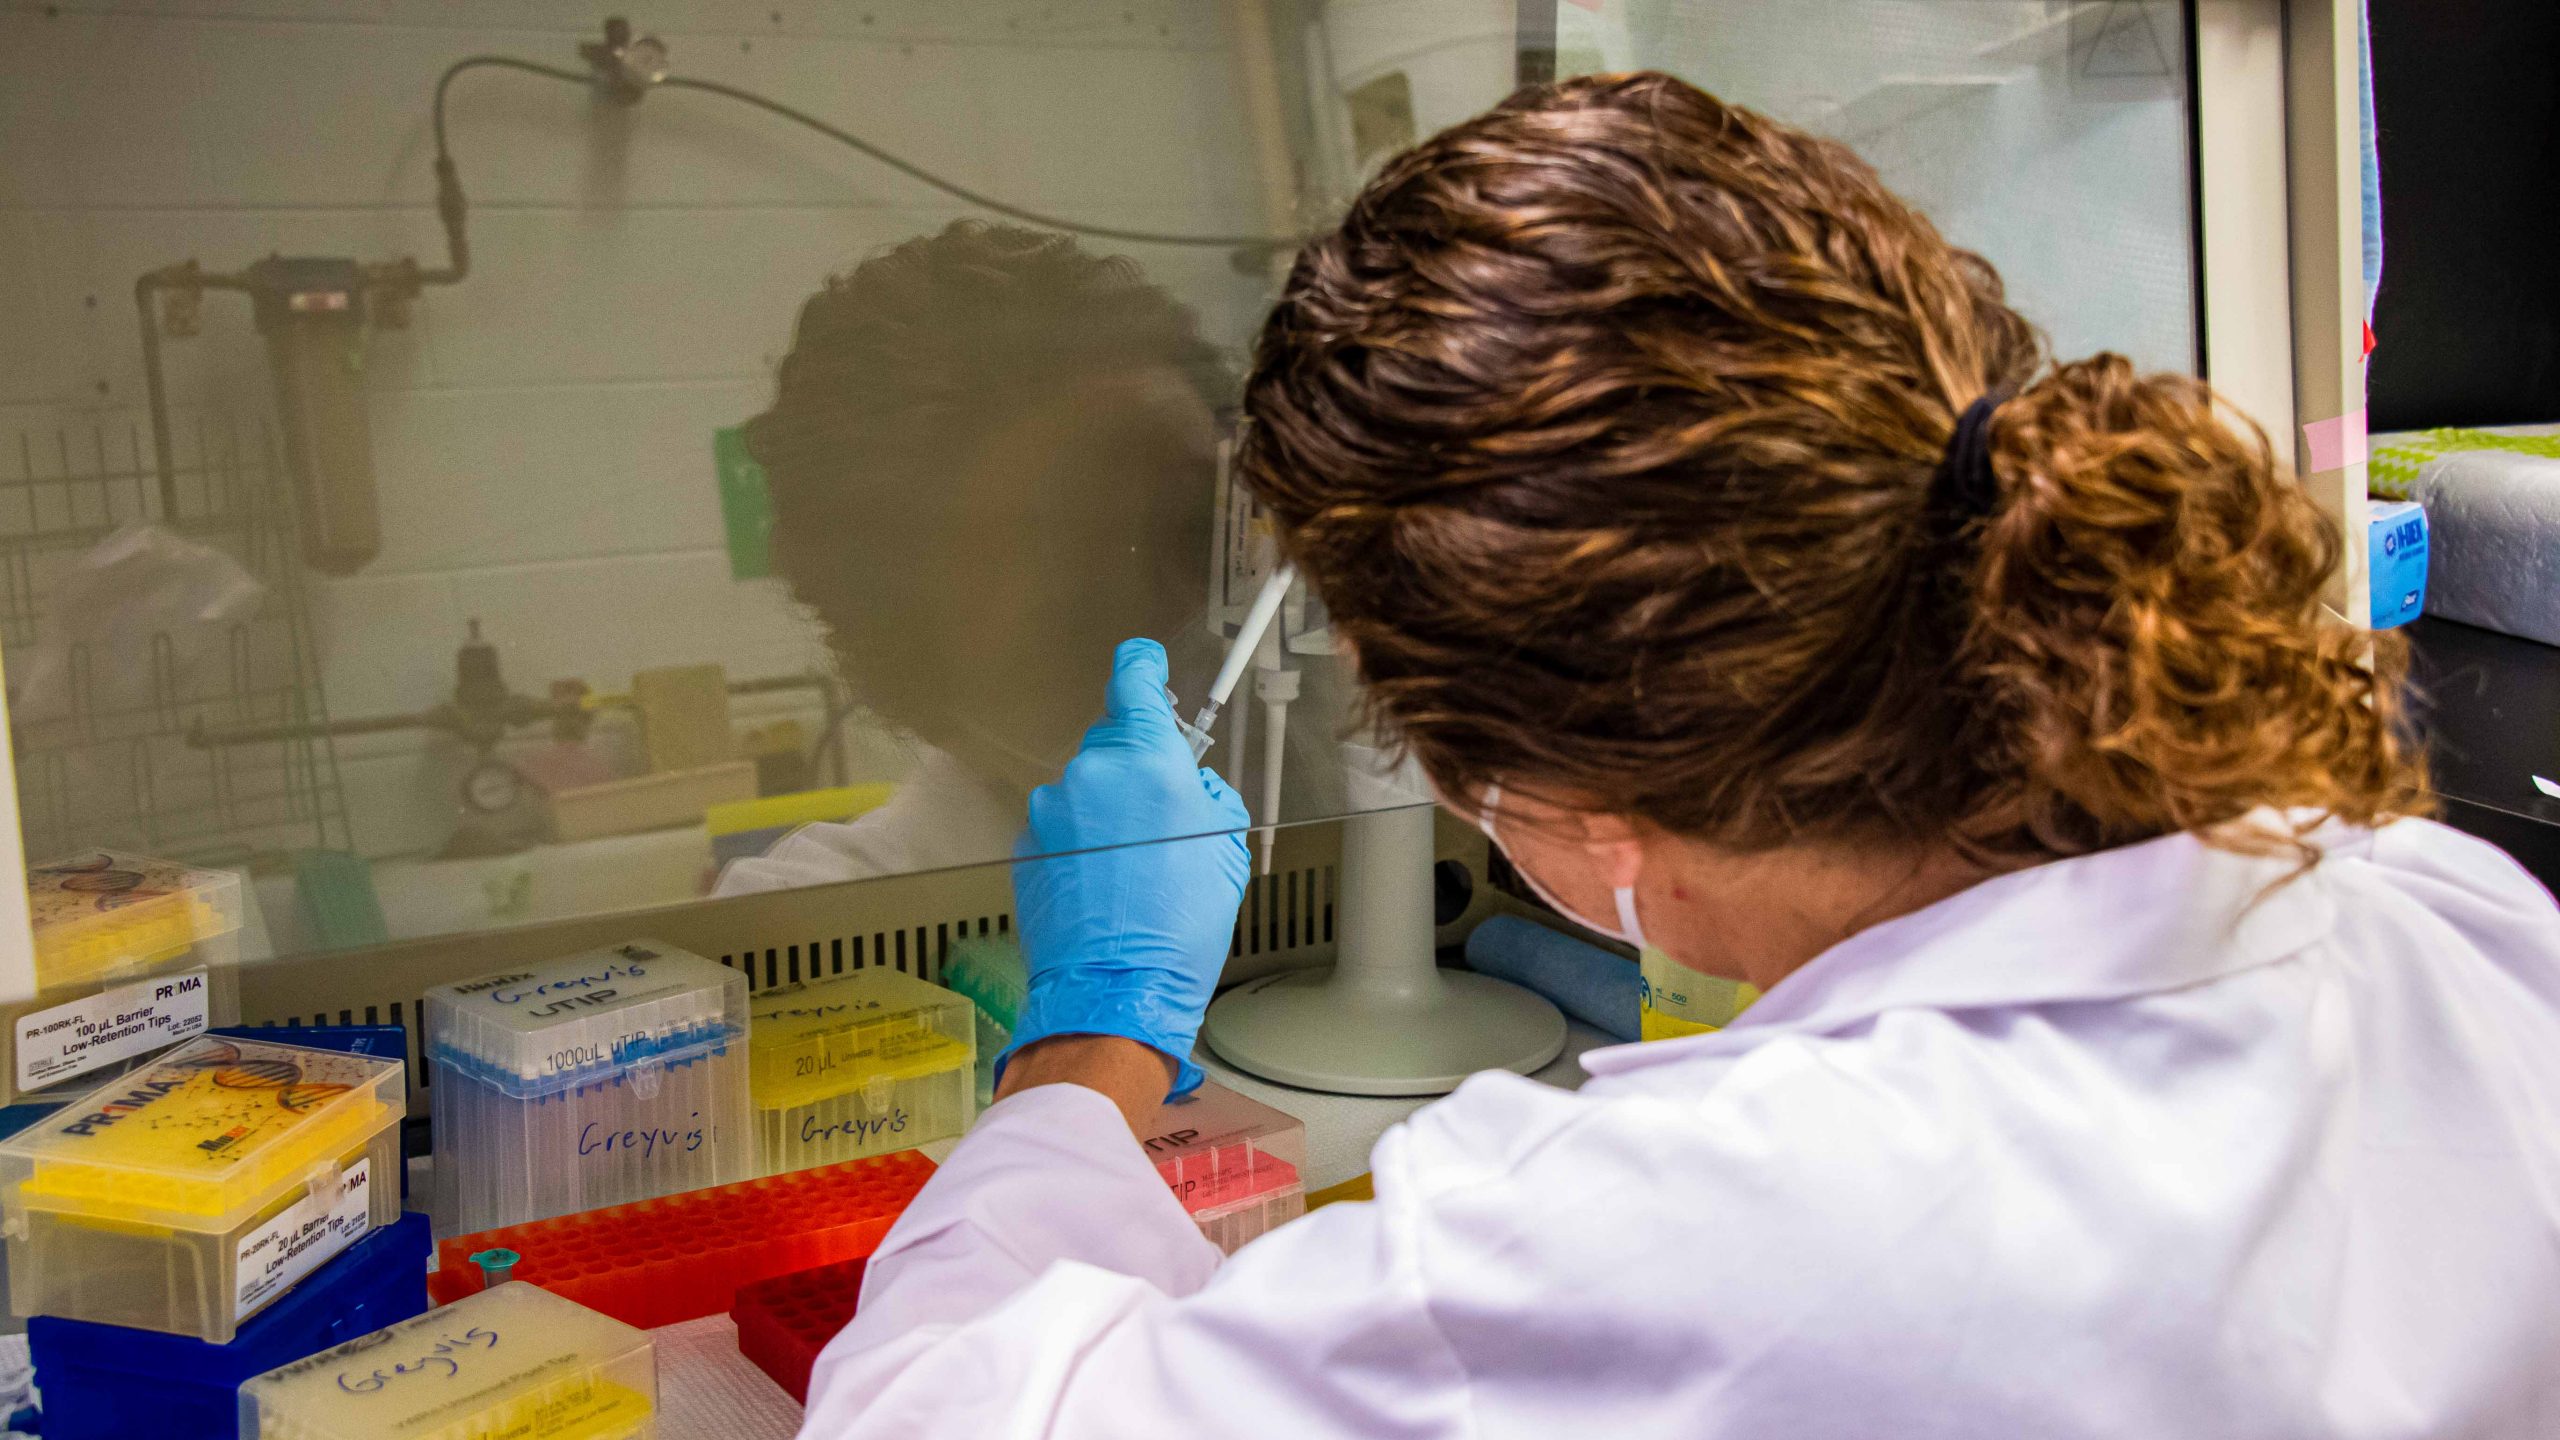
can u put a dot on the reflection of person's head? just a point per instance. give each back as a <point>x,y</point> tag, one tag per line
<point>991,457</point>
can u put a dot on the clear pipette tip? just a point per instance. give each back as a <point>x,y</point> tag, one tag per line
<point>1197,730</point>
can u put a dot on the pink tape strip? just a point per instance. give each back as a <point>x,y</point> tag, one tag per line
<point>2335,444</point>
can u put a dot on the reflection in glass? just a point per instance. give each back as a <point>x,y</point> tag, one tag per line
<point>528,676</point>
<point>992,457</point>
<point>2049,135</point>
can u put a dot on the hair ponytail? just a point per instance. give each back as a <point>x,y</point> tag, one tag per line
<point>2147,625</point>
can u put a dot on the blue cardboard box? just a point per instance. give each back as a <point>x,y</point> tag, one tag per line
<point>2397,561</point>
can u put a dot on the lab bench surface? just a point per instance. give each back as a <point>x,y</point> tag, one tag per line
<point>708,1391</point>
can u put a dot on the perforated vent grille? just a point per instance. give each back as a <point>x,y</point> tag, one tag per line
<point>1285,910</point>
<point>401,1013</point>
<point>1282,911</point>
<point>918,951</point>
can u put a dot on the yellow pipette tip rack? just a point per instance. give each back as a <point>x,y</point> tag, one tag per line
<point>102,912</point>
<point>513,1361</point>
<point>861,1065</point>
<point>186,1194</point>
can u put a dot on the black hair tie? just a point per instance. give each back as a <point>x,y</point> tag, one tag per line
<point>1966,486</point>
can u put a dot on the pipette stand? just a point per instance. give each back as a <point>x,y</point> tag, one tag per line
<point>1386,1019</point>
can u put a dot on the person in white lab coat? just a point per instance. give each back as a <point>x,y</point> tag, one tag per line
<point>1714,533</point>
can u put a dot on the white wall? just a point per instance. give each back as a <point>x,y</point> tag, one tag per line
<point>542,434</point>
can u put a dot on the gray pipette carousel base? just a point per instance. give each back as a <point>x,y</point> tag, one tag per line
<point>1386,1019</point>
<point>1305,1028</point>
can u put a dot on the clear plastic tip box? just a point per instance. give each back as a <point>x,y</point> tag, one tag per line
<point>133,955</point>
<point>606,1077</point>
<point>873,1062</point>
<point>101,913</point>
<point>512,1363</point>
<point>1232,1161</point>
<point>188,1194</point>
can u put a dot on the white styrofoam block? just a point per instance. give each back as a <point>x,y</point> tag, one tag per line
<point>2493,518</point>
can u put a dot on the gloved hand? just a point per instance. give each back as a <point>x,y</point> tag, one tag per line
<point>1122,937</point>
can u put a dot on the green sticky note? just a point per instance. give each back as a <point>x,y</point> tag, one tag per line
<point>746,506</point>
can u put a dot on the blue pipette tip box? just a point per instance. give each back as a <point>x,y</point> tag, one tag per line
<point>2397,561</point>
<point>103,1381</point>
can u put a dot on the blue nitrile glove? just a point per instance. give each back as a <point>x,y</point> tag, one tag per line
<point>1121,937</point>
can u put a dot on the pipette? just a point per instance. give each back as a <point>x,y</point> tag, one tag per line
<point>1257,619</point>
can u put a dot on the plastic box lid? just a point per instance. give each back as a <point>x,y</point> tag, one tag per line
<point>1219,1150</point>
<point>586,1018</point>
<point>204,1137</point>
<point>815,1042</point>
<point>107,1380</point>
<point>516,1360</point>
<point>104,911</point>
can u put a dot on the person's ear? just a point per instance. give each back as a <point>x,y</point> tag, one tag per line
<point>1616,843</point>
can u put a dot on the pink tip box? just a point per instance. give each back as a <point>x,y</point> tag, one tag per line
<point>1232,1161</point>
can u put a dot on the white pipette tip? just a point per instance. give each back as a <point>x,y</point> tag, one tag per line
<point>1266,603</point>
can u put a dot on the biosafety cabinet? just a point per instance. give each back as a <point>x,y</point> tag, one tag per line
<point>481,486</point>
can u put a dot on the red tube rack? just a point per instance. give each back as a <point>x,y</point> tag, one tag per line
<point>681,1257</point>
<point>784,1322</point>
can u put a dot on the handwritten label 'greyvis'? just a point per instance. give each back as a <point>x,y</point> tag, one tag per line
<point>599,1139</point>
<point>857,1130</point>
<point>441,1357</point>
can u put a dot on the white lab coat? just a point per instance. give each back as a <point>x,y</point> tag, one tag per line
<point>2128,1145</point>
<point>941,815</point>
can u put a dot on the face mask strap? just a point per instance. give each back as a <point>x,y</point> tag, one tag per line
<point>1630,929</point>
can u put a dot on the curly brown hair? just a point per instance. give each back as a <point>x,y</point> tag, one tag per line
<point>1606,426</point>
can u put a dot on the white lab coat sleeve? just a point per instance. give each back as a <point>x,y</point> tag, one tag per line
<point>1047,1284</point>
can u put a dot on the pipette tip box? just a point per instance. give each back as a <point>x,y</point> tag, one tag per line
<point>784,1322</point>
<point>106,1382</point>
<point>1232,1161</point>
<point>989,970</point>
<point>104,912</point>
<point>682,1257</point>
<point>599,1078</point>
<point>189,1194</point>
<point>864,1064</point>
<point>513,1363</point>
<point>132,956</point>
